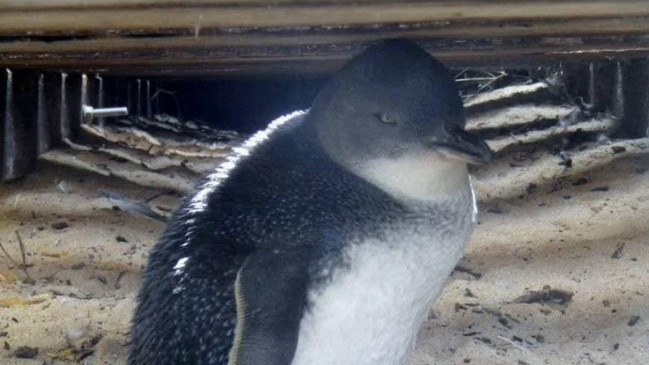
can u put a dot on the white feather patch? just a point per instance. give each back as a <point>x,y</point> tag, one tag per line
<point>371,310</point>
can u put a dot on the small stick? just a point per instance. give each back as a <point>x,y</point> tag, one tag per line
<point>513,344</point>
<point>468,79</point>
<point>487,84</point>
<point>159,91</point>
<point>158,195</point>
<point>22,252</point>
<point>29,278</point>
<point>9,256</point>
<point>133,207</point>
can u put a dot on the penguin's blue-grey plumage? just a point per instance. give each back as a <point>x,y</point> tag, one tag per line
<point>323,239</point>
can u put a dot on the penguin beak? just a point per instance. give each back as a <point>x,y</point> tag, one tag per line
<point>457,143</point>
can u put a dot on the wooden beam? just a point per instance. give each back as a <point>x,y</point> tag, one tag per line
<point>110,17</point>
<point>257,62</point>
<point>252,37</point>
<point>607,27</point>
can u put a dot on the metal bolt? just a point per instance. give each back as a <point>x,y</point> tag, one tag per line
<point>89,113</point>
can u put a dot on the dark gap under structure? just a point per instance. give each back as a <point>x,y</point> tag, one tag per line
<point>244,105</point>
<point>40,111</point>
<point>619,88</point>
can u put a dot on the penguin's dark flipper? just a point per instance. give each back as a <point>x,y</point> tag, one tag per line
<point>270,296</point>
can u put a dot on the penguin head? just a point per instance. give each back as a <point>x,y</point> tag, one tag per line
<point>395,99</point>
<point>394,112</point>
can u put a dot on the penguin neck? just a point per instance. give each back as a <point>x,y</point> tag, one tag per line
<point>424,178</point>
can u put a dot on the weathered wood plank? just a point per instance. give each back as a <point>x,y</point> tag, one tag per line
<point>136,17</point>
<point>233,60</point>
<point>100,4</point>
<point>254,36</point>
<point>631,26</point>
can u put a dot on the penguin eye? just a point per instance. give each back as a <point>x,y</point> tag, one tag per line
<point>384,118</point>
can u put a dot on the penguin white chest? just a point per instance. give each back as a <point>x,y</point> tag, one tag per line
<point>370,311</point>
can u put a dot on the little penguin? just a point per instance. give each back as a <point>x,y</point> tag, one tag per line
<point>324,239</point>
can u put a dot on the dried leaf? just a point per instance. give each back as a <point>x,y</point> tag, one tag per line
<point>36,299</point>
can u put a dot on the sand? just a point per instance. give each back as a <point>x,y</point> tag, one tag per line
<point>555,273</point>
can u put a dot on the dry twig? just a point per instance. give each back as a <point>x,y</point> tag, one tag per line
<point>22,253</point>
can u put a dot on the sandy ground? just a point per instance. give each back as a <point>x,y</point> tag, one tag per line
<point>556,272</point>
